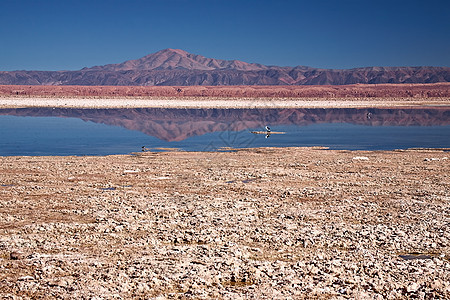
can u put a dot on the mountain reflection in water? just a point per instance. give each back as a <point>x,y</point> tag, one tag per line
<point>60,131</point>
<point>180,124</point>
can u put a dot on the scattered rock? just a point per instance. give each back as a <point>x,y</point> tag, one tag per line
<point>15,255</point>
<point>360,158</point>
<point>25,278</point>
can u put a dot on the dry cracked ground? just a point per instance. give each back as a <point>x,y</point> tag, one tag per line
<point>255,223</point>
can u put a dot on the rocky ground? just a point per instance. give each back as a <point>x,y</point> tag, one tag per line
<point>256,223</point>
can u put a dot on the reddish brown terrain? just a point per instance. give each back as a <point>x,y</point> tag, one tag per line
<point>325,91</point>
<point>175,67</point>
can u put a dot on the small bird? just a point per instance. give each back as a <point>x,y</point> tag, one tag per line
<point>268,128</point>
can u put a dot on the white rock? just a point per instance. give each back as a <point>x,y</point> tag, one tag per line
<point>24,278</point>
<point>360,158</point>
<point>130,171</point>
<point>412,287</point>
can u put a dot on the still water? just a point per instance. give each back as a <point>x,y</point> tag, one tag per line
<point>58,131</point>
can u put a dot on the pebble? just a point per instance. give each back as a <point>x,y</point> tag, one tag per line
<point>360,158</point>
<point>25,278</point>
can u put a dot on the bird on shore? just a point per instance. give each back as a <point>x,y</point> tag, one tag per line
<point>268,132</point>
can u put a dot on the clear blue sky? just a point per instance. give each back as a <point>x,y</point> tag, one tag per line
<point>72,34</point>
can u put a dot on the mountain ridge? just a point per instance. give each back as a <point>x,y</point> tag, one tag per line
<point>179,68</point>
<point>171,59</point>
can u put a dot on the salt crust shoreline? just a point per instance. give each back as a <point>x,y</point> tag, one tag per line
<point>193,102</point>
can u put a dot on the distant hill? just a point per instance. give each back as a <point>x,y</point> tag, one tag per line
<point>175,67</point>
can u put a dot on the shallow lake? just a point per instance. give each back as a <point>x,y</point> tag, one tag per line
<point>59,131</point>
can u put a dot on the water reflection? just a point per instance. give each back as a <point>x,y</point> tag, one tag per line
<point>179,124</point>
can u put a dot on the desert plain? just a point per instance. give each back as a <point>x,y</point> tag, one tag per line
<point>344,96</point>
<point>260,223</point>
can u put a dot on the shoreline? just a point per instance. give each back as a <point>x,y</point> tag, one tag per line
<point>272,149</point>
<point>218,102</point>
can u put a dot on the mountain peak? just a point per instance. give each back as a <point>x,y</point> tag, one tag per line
<point>170,50</point>
<point>178,59</point>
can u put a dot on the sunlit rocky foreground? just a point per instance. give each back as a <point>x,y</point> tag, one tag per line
<point>256,223</point>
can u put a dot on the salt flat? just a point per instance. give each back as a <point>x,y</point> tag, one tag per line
<point>255,223</point>
<point>195,102</point>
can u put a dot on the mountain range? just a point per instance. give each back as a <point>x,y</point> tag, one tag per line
<point>175,67</point>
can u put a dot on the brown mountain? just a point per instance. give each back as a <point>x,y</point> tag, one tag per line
<point>176,59</point>
<point>174,67</point>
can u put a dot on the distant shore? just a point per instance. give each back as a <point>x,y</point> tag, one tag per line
<point>344,96</point>
<point>231,103</point>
